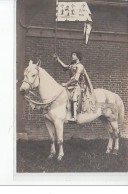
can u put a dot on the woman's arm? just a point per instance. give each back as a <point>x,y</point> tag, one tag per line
<point>62,64</point>
<point>89,82</point>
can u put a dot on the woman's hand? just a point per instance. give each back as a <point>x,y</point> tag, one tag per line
<point>59,61</point>
<point>64,84</point>
<point>56,57</point>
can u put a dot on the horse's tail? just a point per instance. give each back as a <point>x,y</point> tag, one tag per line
<point>121,110</point>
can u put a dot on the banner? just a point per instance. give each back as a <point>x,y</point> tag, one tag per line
<point>73,11</point>
<point>87,31</point>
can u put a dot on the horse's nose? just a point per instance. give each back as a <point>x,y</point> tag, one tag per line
<point>22,91</point>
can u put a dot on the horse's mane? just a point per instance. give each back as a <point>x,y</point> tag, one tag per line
<point>48,85</point>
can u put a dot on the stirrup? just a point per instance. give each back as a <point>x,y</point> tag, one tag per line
<point>72,119</point>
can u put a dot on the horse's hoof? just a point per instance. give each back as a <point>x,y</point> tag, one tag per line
<point>115,152</point>
<point>59,158</point>
<point>51,155</point>
<point>108,151</point>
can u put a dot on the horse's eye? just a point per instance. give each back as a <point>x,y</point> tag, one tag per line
<point>33,75</point>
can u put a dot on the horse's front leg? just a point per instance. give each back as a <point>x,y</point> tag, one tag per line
<point>51,130</point>
<point>59,132</point>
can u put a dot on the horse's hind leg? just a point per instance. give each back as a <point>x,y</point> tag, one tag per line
<point>51,131</point>
<point>114,125</point>
<point>108,127</point>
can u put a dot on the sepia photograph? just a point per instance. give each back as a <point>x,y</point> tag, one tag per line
<point>71,86</point>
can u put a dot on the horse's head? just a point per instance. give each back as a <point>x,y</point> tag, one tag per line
<point>31,77</point>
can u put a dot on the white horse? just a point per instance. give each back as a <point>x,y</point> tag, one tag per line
<point>109,108</point>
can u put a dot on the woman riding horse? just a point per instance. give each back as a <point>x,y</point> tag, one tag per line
<point>79,84</point>
<point>109,107</point>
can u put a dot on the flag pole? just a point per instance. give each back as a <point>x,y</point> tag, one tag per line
<point>56,25</point>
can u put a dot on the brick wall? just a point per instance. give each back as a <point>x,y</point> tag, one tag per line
<point>105,61</point>
<point>105,18</point>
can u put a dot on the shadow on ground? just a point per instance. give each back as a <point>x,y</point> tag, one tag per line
<point>80,156</point>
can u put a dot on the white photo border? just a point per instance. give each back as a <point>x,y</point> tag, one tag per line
<point>8,174</point>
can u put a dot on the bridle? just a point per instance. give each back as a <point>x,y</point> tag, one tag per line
<point>45,105</point>
<point>31,84</point>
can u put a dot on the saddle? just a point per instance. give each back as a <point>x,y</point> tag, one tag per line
<point>85,101</point>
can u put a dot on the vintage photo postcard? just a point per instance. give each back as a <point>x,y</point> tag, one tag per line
<point>71,87</point>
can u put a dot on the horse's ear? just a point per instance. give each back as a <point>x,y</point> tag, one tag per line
<point>39,63</point>
<point>30,62</point>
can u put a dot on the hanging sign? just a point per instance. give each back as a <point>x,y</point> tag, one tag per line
<point>73,11</point>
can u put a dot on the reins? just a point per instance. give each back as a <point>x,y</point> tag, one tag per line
<point>50,100</point>
<point>36,104</point>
